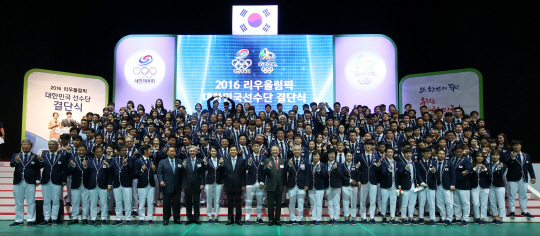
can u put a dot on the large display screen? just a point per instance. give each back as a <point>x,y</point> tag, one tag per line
<point>259,69</point>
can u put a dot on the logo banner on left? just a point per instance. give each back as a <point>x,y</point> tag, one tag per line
<point>55,101</point>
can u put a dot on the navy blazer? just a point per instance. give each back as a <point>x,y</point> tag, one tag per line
<point>77,172</point>
<point>213,172</point>
<point>483,178</point>
<point>387,177</point>
<point>350,172</point>
<point>255,172</point>
<point>448,174</point>
<point>234,179</point>
<point>316,178</point>
<point>54,170</point>
<point>193,176</point>
<point>121,174</point>
<point>28,171</point>
<point>147,176</point>
<point>518,169</point>
<point>173,181</point>
<point>404,180</point>
<point>368,171</point>
<point>497,176</point>
<point>463,164</point>
<point>333,180</point>
<point>423,169</point>
<point>297,175</point>
<point>97,174</point>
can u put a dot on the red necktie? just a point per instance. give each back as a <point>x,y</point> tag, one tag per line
<point>276,161</point>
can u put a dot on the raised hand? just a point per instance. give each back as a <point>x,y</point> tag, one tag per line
<point>335,165</point>
<point>270,164</point>
<point>105,163</point>
<point>290,162</point>
<point>319,167</point>
<point>512,154</point>
<point>153,166</point>
<point>84,163</point>
<point>250,161</point>
<point>125,161</point>
<point>432,169</point>
<point>205,161</point>
<point>72,163</point>
<point>184,163</point>
<point>136,151</point>
<point>358,165</point>
<point>464,173</point>
<point>162,184</point>
<point>407,167</point>
<point>221,161</point>
<point>392,166</point>
<point>379,163</point>
<point>143,167</point>
<point>18,158</point>
<point>39,158</point>
<point>500,165</point>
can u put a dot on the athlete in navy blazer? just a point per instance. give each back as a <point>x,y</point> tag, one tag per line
<point>54,170</point>
<point>448,177</point>
<point>27,169</point>
<point>404,176</point>
<point>145,177</point>
<point>255,172</point>
<point>462,164</point>
<point>97,176</point>
<point>297,176</point>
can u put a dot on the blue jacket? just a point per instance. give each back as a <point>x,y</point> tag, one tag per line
<point>333,180</point>
<point>518,169</point>
<point>423,170</point>
<point>388,177</point>
<point>404,176</point>
<point>55,171</point>
<point>122,174</point>
<point>497,176</point>
<point>298,175</point>
<point>77,172</point>
<point>369,171</point>
<point>29,170</point>
<point>255,172</point>
<point>213,172</point>
<point>316,178</point>
<point>350,172</point>
<point>446,175</point>
<point>483,178</point>
<point>97,174</point>
<point>463,164</point>
<point>147,176</point>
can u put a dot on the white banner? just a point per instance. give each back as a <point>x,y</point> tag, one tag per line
<point>255,20</point>
<point>49,95</point>
<point>445,90</point>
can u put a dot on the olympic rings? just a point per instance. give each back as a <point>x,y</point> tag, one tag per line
<point>142,72</point>
<point>241,64</point>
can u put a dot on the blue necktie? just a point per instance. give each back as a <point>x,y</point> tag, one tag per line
<point>172,165</point>
<point>233,163</point>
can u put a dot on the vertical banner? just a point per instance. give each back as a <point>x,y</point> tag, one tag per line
<point>445,90</point>
<point>255,20</point>
<point>144,70</point>
<point>365,70</point>
<point>50,95</point>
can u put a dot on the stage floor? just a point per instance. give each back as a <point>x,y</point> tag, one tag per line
<point>222,229</point>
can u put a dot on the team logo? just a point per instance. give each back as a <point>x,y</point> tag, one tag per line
<point>365,70</point>
<point>241,63</point>
<point>144,70</point>
<point>267,62</point>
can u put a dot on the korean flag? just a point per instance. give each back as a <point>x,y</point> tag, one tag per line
<point>255,20</point>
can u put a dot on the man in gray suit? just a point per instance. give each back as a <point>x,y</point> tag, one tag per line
<point>69,122</point>
<point>275,184</point>
<point>170,181</point>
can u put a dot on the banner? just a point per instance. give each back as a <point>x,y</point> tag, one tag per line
<point>49,95</point>
<point>365,70</point>
<point>445,90</point>
<point>144,70</point>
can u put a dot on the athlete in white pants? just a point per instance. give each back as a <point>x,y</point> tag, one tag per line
<point>497,188</point>
<point>20,192</point>
<point>79,195</point>
<point>146,195</point>
<point>122,197</point>
<point>52,193</point>
<point>297,195</point>
<point>251,191</point>
<point>213,193</point>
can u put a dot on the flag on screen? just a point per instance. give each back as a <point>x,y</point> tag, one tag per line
<point>255,20</point>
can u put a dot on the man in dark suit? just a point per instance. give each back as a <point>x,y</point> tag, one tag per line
<point>234,179</point>
<point>170,182</point>
<point>193,182</point>
<point>275,184</point>
<point>519,169</point>
<point>69,122</point>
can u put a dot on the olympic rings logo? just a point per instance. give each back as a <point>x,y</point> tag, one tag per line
<point>142,72</point>
<point>241,64</point>
<point>267,70</point>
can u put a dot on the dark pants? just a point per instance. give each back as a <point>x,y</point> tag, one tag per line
<point>234,200</point>
<point>192,201</point>
<point>274,196</point>
<point>174,200</point>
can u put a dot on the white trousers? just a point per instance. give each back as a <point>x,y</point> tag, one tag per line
<point>80,195</point>
<point>462,204</point>
<point>496,197</point>
<point>94,195</point>
<point>480,198</point>
<point>52,193</point>
<point>515,187</point>
<point>123,195</point>
<point>408,201</point>
<point>316,198</point>
<point>135,198</point>
<point>333,197</point>
<point>20,192</point>
<point>350,199</point>
<point>426,195</point>
<point>251,191</point>
<point>445,203</point>
<point>146,195</point>
<point>365,191</point>
<point>298,195</point>
<point>389,193</point>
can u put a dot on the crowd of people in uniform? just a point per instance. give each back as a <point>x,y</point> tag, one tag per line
<point>355,161</point>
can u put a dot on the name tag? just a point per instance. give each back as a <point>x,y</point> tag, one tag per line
<point>527,162</point>
<point>104,166</point>
<point>179,166</point>
<point>303,167</point>
<point>247,171</point>
<point>445,169</point>
<point>59,162</point>
<point>460,167</point>
<point>199,165</point>
<point>32,162</point>
<point>358,151</point>
<point>353,168</point>
<point>281,166</point>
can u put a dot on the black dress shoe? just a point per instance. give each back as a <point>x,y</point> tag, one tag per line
<point>166,222</point>
<point>278,223</point>
<point>85,222</point>
<point>197,222</point>
<point>73,222</point>
<point>229,222</point>
<point>178,222</point>
<point>238,222</point>
<point>188,222</point>
<point>270,223</point>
